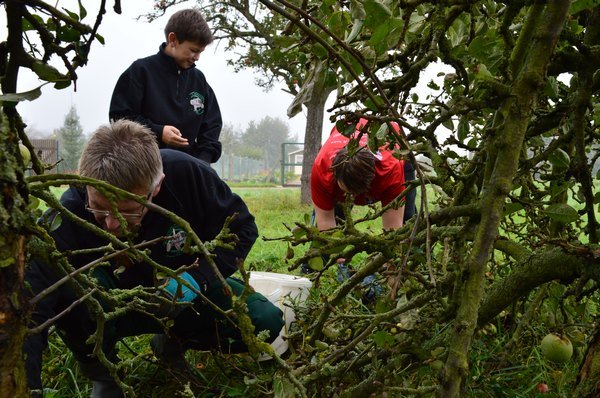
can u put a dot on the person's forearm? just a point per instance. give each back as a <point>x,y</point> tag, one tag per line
<point>393,219</point>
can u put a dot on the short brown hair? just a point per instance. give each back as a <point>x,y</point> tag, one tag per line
<point>189,25</point>
<point>355,171</point>
<point>124,154</point>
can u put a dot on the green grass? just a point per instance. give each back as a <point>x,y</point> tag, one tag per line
<point>493,373</point>
<point>273,208</point>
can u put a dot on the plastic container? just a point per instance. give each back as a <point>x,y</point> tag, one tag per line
<point>279,289</point>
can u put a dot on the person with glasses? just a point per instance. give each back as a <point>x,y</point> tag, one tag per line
<point>125,154</point>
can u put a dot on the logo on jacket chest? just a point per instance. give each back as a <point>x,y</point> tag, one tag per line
<point>197,102</point>
<point>175,242</point>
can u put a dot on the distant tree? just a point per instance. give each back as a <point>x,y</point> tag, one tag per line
<point>230,139</point>
<point>71,140</point>
<point>266,138</point>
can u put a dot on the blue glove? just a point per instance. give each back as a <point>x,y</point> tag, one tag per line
<point>342,272</point>
<point>186,294</point>
<point>371,289</point>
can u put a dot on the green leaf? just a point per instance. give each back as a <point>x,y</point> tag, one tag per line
<point>559,159</point>
<point>82,10</point>
<point>376,14</point>
<point>463,128</point>
<point>396,28</point>
<point>357,10</point>
<point>537,141</point>
<point>562,212</point>
<point>25,96</point>
<point>161,276</point>
<point>356,28</point>
<point>319,51</point>
<point>69,35</point>
<point>298,232</point>
<point>46,72</point>
<point>338,22</point>
<point>378,39</point>
<point>100,38</point>
<point>551,88</point>
<point>374,105</point>
<point>382,132</point>
<point>59,85</point>
<point>354,64</point>
<point>50,393</point>
<point>580,5</point>
<point>383,339</point>
<point>330,78</point>
<point>56,221</point>
<point>71,14</point>
<point>511,207</point>
<point>28,25</point>
<point>373,143</point>
<point>34,202</point>
<point>449,124</point>
<point>283,388</point>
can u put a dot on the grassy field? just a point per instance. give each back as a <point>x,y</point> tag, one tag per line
<point>237,375</point>
<point>273,208</point>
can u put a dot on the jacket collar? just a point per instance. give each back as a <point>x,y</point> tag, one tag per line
<point>170,61</point>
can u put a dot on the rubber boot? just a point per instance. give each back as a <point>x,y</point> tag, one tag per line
<point>170,353</point>
<point>103,384</point>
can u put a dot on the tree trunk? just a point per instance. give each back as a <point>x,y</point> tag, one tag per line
<point>313,95</point>
<point>588,380</point>
<point>312,140</point>
<point>528,66</point>
<point>14,216</point>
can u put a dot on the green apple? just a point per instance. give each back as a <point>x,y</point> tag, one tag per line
<point>25,154</point>
<point>316,263</point>
<point>557,348</point>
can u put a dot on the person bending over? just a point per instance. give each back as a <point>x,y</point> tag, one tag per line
<point>125,154</point>
<point>370,177</point>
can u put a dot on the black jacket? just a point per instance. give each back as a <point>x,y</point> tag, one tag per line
<point>192,190</point>
<point>155,92</point>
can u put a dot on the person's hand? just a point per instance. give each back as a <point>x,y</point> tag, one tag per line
<point>172,136</point>
<point>182,293</point>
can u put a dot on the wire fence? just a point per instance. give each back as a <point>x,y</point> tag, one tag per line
<point>229,167</point>
<point>237,168</point>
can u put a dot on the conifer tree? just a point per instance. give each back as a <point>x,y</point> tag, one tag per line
<point>71,141</point>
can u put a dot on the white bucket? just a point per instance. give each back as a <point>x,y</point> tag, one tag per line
<point>278,289</point>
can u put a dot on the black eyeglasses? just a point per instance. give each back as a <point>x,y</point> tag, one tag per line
<point>125,215</point>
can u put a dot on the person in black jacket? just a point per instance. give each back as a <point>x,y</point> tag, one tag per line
<point>169,95</point>
<point>125,154</point>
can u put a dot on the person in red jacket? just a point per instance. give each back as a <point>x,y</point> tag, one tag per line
<point>370,177</point>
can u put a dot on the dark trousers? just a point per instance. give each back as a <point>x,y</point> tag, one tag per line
<point>198,327</point>
<point>410,207</point>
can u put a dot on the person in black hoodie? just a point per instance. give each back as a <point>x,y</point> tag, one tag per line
<point>166,92</point>
<point>125,154</point>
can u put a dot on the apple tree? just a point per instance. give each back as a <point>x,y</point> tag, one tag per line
<point>38,33</point>
<point>505,141</point>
